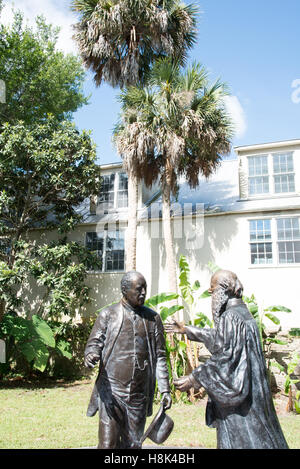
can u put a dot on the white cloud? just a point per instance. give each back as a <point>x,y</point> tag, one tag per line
<point>54,12</point>
<point>237,114</point>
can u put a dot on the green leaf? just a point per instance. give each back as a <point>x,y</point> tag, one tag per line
<point>196,285</point>
<point>275,309</point>
<point>287,385</point>
<point>273,318</point>
<point>42,356</point>
<point>43,331</point>
<point>275,364</point>
<point>213,267</point>
<point>19,328</point>
<point>161,298</point>
<point>181,346</point>
<point>253,309</point>
<point>166,312</point>
<point>184,283</point>
<point>28,350</point>
<point>64,348</point>
<point>37,352</point>
<point>276,341</point>
<point>202,320</point>
<point>205,294</point>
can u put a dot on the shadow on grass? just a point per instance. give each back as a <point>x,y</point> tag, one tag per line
<point>37,383</point>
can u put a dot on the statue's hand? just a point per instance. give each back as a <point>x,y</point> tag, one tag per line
<point>90,360</point>
<point>166,400</point>
<point>174,327</point>
<point>185,383</point>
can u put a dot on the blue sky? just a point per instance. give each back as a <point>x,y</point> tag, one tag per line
<point>252,45</point>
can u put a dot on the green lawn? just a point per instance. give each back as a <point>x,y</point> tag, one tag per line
<point>55,417</point>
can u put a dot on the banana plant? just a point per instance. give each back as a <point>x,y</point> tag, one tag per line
<point>289,381</point>
<point>260,315</point>
<point>33,339</point>
<point>190,294</point>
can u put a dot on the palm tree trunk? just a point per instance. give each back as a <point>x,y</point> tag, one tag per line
<point>168,238</point>
<point>132,222</point>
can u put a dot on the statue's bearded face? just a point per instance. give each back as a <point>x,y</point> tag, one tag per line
<point>219,300</point>
<point>135,294</point>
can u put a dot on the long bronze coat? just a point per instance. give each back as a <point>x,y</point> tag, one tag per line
<point>240,404</point>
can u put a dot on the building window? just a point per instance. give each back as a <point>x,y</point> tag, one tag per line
<point>109,247</point>
<point>261,242</point>
<point>114,191</point>
<point>275,241</point>
<point>258,175</point>
<point>283,170</point>
<point>123,190</point>
<point>288,238</point>
<point>271,174</point>
<point>107,194</point>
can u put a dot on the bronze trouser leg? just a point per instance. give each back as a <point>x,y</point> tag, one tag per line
<point>109,433</point>
<point>110,436</point>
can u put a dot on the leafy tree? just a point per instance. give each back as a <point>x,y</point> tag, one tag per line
<point>47,171</point>
<point>38,78</point>
<point>176,126</point>
<point>55,272</point>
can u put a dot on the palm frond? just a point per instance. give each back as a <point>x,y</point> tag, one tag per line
<point>121,40</point>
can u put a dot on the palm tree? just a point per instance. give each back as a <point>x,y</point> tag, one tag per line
<point>177,126</point>
<point>120,40</point>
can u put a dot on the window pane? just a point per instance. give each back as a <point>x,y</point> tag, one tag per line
<point>115,251</point>
<point>284,183</point>
<point>94,242</point>
<point>283,163</point>
<point>289,252</point>
<point>258,165</point>
<point>288,229</point>
<point>123,190</point>
<point>260,230</point>
<point>261,253</point>
<point>106,196</point>
<point>258,185</point>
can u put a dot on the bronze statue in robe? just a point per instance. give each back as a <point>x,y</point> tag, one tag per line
<point>240,404</point>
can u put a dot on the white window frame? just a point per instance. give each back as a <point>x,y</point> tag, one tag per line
<point>286,240</point>
<point>116,191</point>
<point>274,240</point>
<point>260,242</point>
<point>259,194</point>
<point>105,232</point>
<point>283,173</point>
<point>271,175</point>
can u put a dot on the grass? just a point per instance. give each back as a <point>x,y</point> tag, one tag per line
<point>54,416</point>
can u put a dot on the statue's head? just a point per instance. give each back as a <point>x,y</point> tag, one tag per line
<point>224,285</point>
<point>134,288</point>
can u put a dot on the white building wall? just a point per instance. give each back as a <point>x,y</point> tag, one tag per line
<point>225,244</point>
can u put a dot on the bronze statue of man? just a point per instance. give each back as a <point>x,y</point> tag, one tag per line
<point>128,341</point>
<point>239,403</point>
